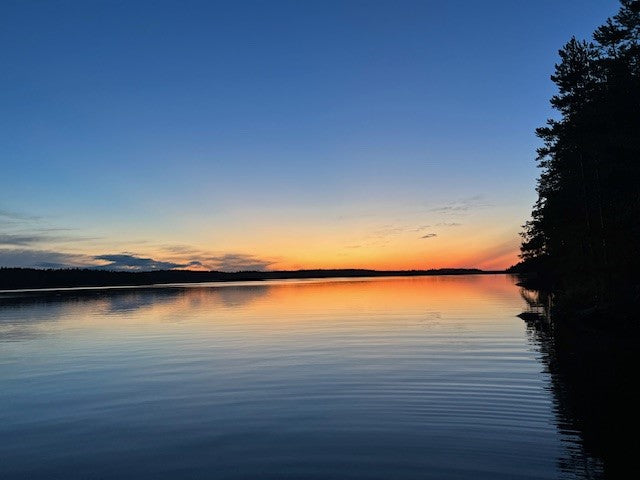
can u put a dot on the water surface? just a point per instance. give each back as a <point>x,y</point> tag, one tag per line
<point>410,377</point>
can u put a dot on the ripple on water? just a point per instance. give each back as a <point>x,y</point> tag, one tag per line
<point>387,378</point>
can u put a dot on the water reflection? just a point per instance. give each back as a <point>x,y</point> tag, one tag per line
<point>592,380</point>
<point>361,378</point>
<point>22,315</point>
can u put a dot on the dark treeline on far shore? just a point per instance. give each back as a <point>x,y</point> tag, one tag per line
<point>583,241</point>
<point>25,278</point>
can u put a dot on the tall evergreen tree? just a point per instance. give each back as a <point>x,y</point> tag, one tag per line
<point>585,227</point>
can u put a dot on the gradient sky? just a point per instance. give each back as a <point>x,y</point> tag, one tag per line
<point>302,134</point>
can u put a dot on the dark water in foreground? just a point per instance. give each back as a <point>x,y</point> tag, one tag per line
<point>422,377</point>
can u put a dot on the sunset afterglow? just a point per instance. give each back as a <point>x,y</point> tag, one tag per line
<point>291,135</point>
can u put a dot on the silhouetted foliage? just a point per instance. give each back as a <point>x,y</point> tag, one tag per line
<point>584,234</point>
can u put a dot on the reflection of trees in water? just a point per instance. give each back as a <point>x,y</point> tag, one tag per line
<point>242,295</point>
<point>591,378</point>
<point>22,314</point>
<point>195,297</point>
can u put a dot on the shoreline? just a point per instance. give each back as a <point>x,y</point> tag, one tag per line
<point>47,281</point>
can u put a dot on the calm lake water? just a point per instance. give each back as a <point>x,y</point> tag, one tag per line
<point>386,378</point>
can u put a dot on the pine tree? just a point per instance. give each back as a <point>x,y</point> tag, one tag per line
<point>585,227</point>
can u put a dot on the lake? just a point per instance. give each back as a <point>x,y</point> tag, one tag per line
<point>403,378</point>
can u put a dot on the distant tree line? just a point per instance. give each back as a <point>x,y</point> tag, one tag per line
<point>584,232</point>
<point>27,278</point>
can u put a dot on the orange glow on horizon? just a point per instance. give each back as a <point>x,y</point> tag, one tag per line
<point>480,243</point>
<point>405,254</point>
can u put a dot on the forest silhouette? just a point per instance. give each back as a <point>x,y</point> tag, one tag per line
<point>581,249</point>
<point>28,278</point>
<point>583,239</point>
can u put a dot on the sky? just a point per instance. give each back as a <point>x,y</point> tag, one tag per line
<point>274,134</point>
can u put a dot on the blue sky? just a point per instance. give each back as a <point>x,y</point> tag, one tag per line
<point>283,134</point>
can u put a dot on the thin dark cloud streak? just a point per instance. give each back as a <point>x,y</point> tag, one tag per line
<point>234,262</point>
<point>12,215</point>
<point>26,239</point>
<point>462,206</point>
<point>33,258</point>
<point>125,261</point>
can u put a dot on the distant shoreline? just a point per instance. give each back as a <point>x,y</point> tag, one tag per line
<point>15,280</point>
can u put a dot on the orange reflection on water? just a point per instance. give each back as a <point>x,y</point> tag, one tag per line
<point>279,306</point>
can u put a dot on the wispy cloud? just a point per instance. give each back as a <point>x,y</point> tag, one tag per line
<point>222,261</point>
<point>19,240</point>
<point>41,258</point>
<point>25,230</point>
<point>11,215</point>
<point>29,241</point>
<point>15,257</point>
<point>233,262</point>
<point>32,238</point>
<point>462,206</point>
<point>385,234</point>
<point>181,249</point>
